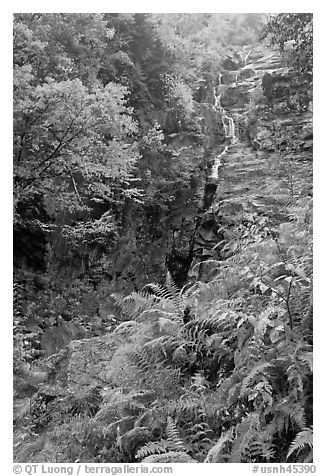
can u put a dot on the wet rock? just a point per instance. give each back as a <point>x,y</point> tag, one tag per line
<point>229,77</point>
<point>234,96</point>
<point>56,338</point>
<point>87,361</point>
<point>27,380</point>
<point>230,64</point>
<point>21,408</point>
<point>246,73</point>
<point>41,282</point>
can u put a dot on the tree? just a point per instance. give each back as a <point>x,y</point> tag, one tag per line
<point>61,45</point>
<point>74,139</point>
<point>61,130</point>
<point>295,30</point>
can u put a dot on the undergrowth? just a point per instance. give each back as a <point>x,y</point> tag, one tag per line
<point>220,372</point>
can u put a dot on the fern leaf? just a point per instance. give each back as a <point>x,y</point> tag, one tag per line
<point>309,457</point>
<point>215,453</point>
<point>127,442</point>
<point>186,406</point>
<point>126,326</point>
<point>133,305</point>
<point>247,432</point>
<point>173,434</point>
<point>169,294</point>
<point>303,439</point>
<point>261,448</point>
<point>153,448</point>
<point>170,457</point>
<point>308,358</point>
<point>166,343</point>
<point>258,369</point>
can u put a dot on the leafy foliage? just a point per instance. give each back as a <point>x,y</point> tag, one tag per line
<point>301,441</point>
<point>298,29</point>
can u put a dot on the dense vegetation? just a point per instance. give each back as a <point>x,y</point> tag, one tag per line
<point>217,370</point>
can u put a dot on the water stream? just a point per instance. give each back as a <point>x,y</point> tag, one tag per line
<point>228,122</point>
<point>218,163</point>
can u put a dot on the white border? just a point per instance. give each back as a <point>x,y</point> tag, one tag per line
<point>167,6</point>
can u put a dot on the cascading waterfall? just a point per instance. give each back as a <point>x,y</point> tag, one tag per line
<point>229,132</point>
<point>246,57</point>
<point>228,123</point>
<point>217,103</point>
<point>206,206</point>
<point>218,163</point>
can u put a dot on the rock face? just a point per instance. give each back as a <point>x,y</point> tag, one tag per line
<point>235,96</point>
<point>270,132</point>
<point>256,95</point>
<point>155,237</point>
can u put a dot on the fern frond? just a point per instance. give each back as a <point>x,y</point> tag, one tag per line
<point>137,436</point>
<point>302,440</point>
<point>173,434</point>
<point>126,326</point>
<point>167,344</point>
<point>169,294</point>
<point>186,406</point>
<point>256,349</point>
<point>153,448</point>
<point>297,415</point>
<point>207,267</point>
<point>262,448</point>
<point>167,324</point>
<point>154,314</point>
<point>200,432</point>
<point>295,376</point>
<point>111,429</point>
<point>27,452</point>
<point>258,369</point>
<point>133,305</point>
<point>170,457</point>
<point>246,432</point>
<point>220,321</point>
<point>284,413</point>
<point>307,357</point>
<point>215,454</point>
<point>146,418</point>
<point>198,382</point>
<point>176,292</point>
<point>309,457</point>
<point>142,359</point>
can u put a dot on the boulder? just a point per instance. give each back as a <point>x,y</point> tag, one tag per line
<point>87,361</point>
<point>229,77</point>
<point>230,64</point>
<point>234,96</point>
<point>246,73</point>
<point>56,338</point>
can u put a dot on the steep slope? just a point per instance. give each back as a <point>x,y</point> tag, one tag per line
<point>267,160</point>
<point>230,362</point>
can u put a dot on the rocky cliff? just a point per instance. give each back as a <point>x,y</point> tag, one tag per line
<point>263,131</point>
<point>252,115</point>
